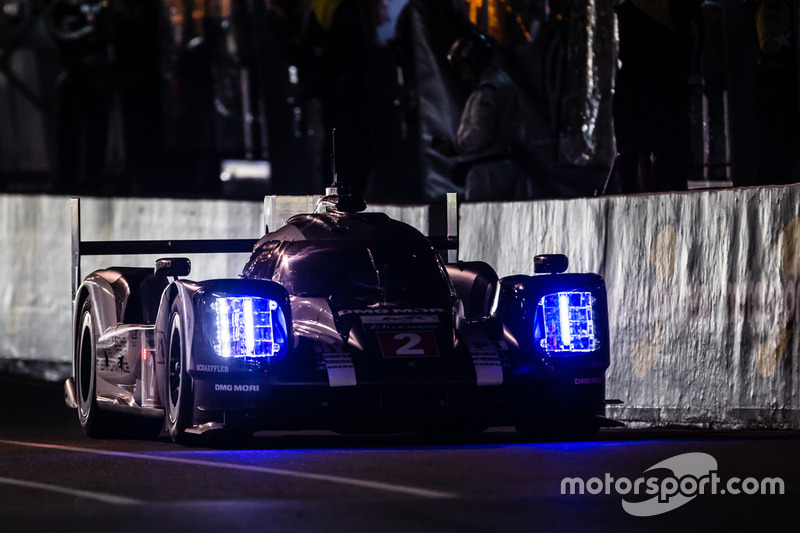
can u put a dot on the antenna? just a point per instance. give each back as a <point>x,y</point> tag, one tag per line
<point>334,188</point>
<point>339,193</point>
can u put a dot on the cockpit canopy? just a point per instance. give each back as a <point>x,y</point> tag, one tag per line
<point>355,270</point>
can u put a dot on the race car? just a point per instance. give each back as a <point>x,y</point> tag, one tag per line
<point>343,320</point>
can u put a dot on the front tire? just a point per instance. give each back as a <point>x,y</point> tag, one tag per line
<point>95,422</point>
<point>179,396</point>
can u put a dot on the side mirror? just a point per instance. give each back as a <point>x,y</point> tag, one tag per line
<point>173,266</point>
<point>550,264</point>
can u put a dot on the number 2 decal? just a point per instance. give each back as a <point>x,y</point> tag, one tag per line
<point>408,344</point>
<point>409,348</point>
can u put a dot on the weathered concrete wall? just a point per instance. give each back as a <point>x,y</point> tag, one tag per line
<point>703,286</point>
<point>35,307</point>
<point>703,294</point>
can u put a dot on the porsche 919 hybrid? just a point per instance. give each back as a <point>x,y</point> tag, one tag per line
<point>342,320</point>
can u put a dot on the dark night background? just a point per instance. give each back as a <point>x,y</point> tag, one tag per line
<point>148,97</point>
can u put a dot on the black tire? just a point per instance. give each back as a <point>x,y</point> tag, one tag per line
<point>94,423</point>
<point>178,390</point>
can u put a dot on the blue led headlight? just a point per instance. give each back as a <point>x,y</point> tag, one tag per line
<point>567,323</point>
<point>248,327</point>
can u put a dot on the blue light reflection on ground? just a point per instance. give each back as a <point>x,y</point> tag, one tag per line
<point>581,447</point>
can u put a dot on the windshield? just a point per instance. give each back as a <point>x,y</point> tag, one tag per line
<point>383,272</point>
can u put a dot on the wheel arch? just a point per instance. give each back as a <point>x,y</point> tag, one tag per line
<point>104,308</point>
<point>176,290</point>
<point>110,291</point>
<point>475,283</point>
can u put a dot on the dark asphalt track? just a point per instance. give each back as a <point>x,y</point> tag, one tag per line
<point>52,478</point>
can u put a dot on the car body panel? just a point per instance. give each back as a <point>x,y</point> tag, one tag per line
<point>378,334</point>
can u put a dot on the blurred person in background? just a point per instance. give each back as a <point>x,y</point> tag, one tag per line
<point>490,140</point>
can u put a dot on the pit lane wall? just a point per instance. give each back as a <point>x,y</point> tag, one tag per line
<point>703,286</point>
<point>703,294</point>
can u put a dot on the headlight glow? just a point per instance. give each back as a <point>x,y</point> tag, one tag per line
<point>566,323</point>
<point>248,326</point>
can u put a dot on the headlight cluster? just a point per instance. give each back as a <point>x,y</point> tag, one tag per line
<point>248,327</point>
<point>567,323</point>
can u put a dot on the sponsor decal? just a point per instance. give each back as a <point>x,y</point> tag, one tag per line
<point>487,347</point>
<point>391,311</point>
<point>400,327</point>
<point>337,362</point>
<point>121,342</point>
<point>227,387</point>
<point>688,476</point>
<point>400,319</point>
<point>114,360</point>
<point>212,368</point>
<point>486,359</point>
<point>488,369</point>
<point>400,322</point>
<point>589,381</point>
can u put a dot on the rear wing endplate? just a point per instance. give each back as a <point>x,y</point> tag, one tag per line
<point>171,247</point>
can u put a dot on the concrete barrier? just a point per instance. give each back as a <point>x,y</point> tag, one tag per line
<point>703,286</point>
<point>703,294</point>
<point>35,308</point>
